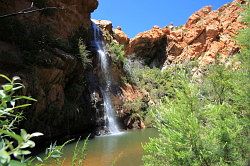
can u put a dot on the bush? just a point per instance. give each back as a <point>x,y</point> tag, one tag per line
<point>84,54</point>
<point>116,51</point>
<point>156,83</point>
<point>160,84</point>
<point>205,124</point>
<point>13,146</point>
<point>200,128</point>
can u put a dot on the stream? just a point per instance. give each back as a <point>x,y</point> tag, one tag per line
<point>124,149</point>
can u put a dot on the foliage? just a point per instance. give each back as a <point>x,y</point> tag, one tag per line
<point>79,153</point>
<point>52,154</point>
<point>156,83</point>
<point>84,54</point>
<point>199,128</point>
<point>136,108</point>
<point>160,84</point>
<point>116,51</point>
<point>13,146</point>
<point>205,123</point>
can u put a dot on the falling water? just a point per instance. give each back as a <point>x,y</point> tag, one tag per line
<point>110,119</point>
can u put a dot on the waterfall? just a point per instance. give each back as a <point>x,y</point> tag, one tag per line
<point>109,112</point>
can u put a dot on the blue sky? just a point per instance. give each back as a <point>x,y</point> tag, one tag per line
<point>136,16</point>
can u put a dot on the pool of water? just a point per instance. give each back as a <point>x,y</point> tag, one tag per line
<point>124,149</point>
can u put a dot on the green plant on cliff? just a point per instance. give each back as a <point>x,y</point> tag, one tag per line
<point>157,84</point>
<point>116,51</point>
<point>13,145</point>
<point>206,124</point>
<point>84,54</point>
<point>160,84</point>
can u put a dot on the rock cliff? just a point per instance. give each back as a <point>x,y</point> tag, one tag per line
<point>42,48</point>
<point>66,18</point>
<point>206,34</point>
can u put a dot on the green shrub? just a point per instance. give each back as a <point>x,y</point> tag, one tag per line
<point>84,54</point>
<point>160,84</point>
<point>13,146</point>
<point>198,128</point>
<point>116,51</point>
<point>206,123</point>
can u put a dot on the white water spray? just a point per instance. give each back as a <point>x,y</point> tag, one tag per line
<point>110,119</point>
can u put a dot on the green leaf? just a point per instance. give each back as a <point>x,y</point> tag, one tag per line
<point>12,103</point>
<point>16,88</point>
<point>7,87</point>
<point>15,78</point>
<point>4,157</point>
<point>16,163</point>
<point>39,159</point>
<point>13,135</point>
<point>6,111</point>
<point>2,94</point>
<point>24,97</point>
<point>31,144</point>
<point>5,77</point>
<point>22,106</point>
<point>25,152</point>
<point>24,134</point>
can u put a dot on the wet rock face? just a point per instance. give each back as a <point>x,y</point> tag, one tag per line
<point>206,34</point>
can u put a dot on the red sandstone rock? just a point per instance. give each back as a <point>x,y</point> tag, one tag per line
<point>144,42</point>
<point>130,93</point>
<point>74,13</point>
<point>197,16</point>
<point>120,36</point>
<point>206,34</point>
<point>104,24</point>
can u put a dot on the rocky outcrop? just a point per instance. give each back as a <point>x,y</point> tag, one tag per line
<point>120,36</point>
<point>105,25</point>
<point>111,34</point>
<point>150,46</point>
<point>206,34</point>
<point>42,48</point>
<point>64,20</point>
